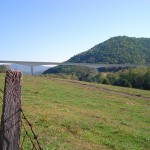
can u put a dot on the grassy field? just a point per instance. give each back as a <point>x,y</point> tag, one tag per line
<point>68,116</point>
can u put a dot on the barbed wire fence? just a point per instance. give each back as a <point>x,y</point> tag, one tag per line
<point>33,138</point>
<point>1,102</point>
<point>27,137</point>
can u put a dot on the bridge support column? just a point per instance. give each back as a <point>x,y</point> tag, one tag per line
<point>96,71</point>
<point>32,70</point>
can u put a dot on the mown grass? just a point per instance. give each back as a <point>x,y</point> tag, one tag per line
<point>68,116</point>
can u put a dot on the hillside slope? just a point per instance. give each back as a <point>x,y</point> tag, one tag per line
<point>116,50</point>
<point>72,115</point>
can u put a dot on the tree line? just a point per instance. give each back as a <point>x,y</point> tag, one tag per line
<point>129,77</point>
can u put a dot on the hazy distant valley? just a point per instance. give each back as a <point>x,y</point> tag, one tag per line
<point>27,69</point>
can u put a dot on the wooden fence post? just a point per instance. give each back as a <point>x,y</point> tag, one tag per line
<point>11,111</point>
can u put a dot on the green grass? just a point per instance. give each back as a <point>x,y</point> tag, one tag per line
<point>68,116</point>
<point>145,93</point>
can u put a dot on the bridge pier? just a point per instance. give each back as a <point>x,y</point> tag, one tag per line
<point>32,70</point>
<point>95,66</point>
<point>96,71</point>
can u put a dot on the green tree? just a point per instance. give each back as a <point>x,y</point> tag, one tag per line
<point>106,81</point>
<point>147,81</point>
<point>98,78</point>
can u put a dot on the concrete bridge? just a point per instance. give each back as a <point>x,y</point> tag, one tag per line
<point>95,66</point>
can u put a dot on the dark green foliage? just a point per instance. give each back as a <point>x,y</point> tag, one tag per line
<point>146,81</point>
<point>98,78</point>
<point>117,50</point>
<point>69,70</point>
<point>135,77</point>
<point>132,77</point>
<point>123,82</point>
<point>106,81</point>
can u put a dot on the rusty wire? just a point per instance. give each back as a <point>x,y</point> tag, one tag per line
<point>21,144</point>
<point>1,91</point>
<point>26,132</point>
<point>28,135</point>
<point>0,96</point>
<point>1,99</point>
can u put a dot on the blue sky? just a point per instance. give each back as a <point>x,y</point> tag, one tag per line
<point>55,30</point>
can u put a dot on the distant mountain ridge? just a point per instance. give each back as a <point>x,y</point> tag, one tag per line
<point>119,50</point>
<point>116,50</point>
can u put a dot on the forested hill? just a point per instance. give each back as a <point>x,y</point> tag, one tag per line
<point>116,50</point>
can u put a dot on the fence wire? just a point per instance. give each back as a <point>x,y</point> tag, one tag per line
<point>32,137</point>
<point>28,136</point>
<point>1,95</point>
<point>1,102</point>
<point>28,139</point>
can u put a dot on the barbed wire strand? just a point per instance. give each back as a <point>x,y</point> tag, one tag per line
<point>1,91</point>
<point>29,137</point>
<point>1,101</point>
<point>30,125</point>
<point>21,145</point>
<point>33,147</point>
<point>0,96</point>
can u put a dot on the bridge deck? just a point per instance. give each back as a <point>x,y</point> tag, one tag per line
<point>90,65</point>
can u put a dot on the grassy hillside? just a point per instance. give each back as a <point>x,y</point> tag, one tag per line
<point>71,115</point>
